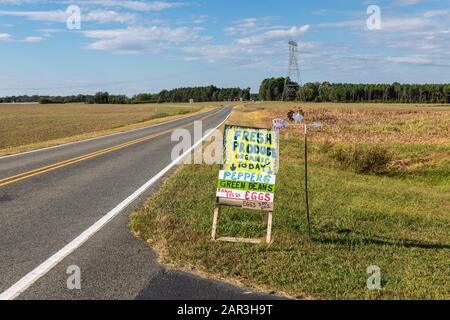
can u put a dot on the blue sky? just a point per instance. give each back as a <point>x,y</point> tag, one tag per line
<point>127,47</point>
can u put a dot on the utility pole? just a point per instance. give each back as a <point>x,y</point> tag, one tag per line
<point>306,181</point>
<point>315,125</point>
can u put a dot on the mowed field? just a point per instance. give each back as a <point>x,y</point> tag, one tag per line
<point>27,127</point>
<point>380,196</point>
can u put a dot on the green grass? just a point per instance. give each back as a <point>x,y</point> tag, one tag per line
<point>397,218</point>
<point>399,222</point>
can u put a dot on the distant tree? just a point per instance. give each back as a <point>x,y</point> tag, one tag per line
<point>143,98</point>
<point>446,92</point>
<point>246,95</point>
<point>202,94</point>
<point>311,91</point>
<point>119,99</point>
<point>101,98</point>
<point>44,100</point>
<point>344,92</point>
<point>163,96</point>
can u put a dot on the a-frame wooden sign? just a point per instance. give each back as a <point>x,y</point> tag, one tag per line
<point>247,177</point>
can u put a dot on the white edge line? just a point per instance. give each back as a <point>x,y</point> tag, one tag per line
<point>105,136</point>
<point>23,284</point>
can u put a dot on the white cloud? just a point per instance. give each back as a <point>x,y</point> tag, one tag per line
<point>406,24</point>
<point>33,39</point>
<point>409,2</point>
<point>391,24</point>
<point>199,19</point>
<point>261,55</point>
<point>422,35</point>
<point>135,40</point>
<point>257,42</point>
<point>5,37</point>
<point>49,16</point>
<point>127,4</point>
<point>250,25</point>
<point>29,39</point>
<point>274,35</point>
<point>102,16</point>
<point>244,26</point>
<point>215,52</point>
<point>136,5</point>
<point>99,16</point>
<point>437,13</point>
<point>409,60</point>
<point>17,2</point>
<point>343,24</point>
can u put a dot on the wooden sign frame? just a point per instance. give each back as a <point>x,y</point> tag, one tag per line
<point>220,202</point>
<point>238,203</point>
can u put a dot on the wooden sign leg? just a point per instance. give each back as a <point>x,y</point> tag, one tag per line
<point>215,222</point>
<point>269,227</point>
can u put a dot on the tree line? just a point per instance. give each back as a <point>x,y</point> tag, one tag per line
<point>272,90</point>
<point>180,95</point>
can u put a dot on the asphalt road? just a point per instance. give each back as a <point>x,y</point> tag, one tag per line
<point>44,210</point>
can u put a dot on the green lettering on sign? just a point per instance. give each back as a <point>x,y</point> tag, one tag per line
<point>246,186</point>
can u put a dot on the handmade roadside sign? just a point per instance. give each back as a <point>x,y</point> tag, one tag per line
<point>248,175</point>
<point>250,163</point>
<point>251,150</point>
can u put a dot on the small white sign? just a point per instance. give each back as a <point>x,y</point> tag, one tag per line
<point>279,124</point>
<point>298,117</point>
<point>317,125</point>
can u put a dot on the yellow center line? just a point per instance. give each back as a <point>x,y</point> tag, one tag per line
<point>39,171</point>
<point>59,163</point>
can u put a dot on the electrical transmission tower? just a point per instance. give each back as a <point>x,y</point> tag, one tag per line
<point>293,89</point>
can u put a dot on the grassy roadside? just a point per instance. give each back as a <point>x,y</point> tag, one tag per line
<point>28,127</point>
<point>398,220</point>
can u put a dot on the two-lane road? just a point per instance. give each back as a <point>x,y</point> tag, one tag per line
<point>69,206</point>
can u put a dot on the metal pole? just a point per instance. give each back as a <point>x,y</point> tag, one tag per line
<point>306,180</point>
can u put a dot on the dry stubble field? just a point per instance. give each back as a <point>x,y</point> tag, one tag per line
<point>28,127</point>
